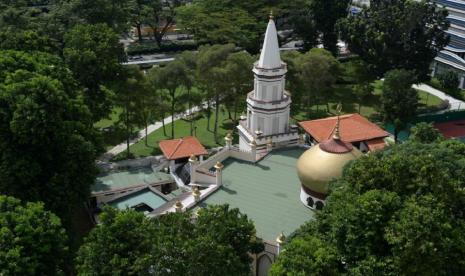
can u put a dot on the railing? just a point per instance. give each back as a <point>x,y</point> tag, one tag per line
<point>285,98</point>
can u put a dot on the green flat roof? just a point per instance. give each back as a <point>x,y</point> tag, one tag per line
<point>122,179</point>
<point>268,192</point>
<point>146,196</point>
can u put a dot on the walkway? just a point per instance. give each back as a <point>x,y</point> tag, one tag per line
<point>106,157</point>
<point>455,104</point>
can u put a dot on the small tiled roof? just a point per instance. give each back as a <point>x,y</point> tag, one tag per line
<point>376,144</point>
<point>182,148</point>
<point>353,128</point>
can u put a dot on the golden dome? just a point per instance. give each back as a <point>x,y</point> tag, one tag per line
<point>324,162</point>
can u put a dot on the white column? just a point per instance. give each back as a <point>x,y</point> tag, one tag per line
<point>219,177</point>
<point>193,162</point>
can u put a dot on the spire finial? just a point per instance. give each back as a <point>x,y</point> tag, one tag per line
<point>337,135</point>
<point>271,15</point>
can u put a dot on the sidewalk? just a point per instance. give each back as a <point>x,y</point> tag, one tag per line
<point>106,157</point>
<point>455,104</point>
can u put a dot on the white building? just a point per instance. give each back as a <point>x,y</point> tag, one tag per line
<point>268,105</point>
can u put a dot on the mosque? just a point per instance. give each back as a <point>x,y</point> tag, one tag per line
<point>275,176</point>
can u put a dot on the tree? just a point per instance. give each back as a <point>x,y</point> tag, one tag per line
<point>222,22</point>
<point>26,41</point>
<point>293,83</point>
<point>212,74</point>
<point>114,13</point>
<point>120,245</point>
<point>450,83</point>
<point>171,78</point>
<point>33,241</point>
<point>156,86</point>
<point>327,13</point>
<point>94,55</point>
<point>129,243</point>
<point>314,21</point>
<point>160,16</point>
<point>240,80</point>
<point>318,71</point>
<point>397,34</point>
<point>192,97</point>
<point>363,78</point>
<point>425,133</point>
<point>387,215</point>
<point>48,145</point>
<point>399,101</point>
<point>133,95</point>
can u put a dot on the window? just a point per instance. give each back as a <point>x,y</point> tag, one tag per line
<point>310,202</point>
<point>319,205</point>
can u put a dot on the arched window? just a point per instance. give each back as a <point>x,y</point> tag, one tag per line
<point>310,202</point>
<point>319,205</point>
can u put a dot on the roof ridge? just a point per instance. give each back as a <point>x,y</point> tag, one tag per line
<point>177,147</point>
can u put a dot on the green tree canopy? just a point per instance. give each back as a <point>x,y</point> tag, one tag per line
<point>94,55</point>
<point>396,212</point>
<point>399,101</point>
<point>47,144</point>
<point>216,242</point>
<point>32,239</point>
<point>317,72</point>
<point>425,133</point>
<point>397,34</point>
<point>114,13</point>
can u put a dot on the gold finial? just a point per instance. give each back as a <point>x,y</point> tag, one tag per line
<point>178,206</point>
<point>271,15</point>
<point>196,192</point>
<point>253,143</point>
<point>228,136</point>
<point>281,238</point>
<point>219,166</point>
<point>337,135</point>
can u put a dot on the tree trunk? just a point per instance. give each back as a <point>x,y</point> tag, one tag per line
<point>327,107</point>
<point>139,31</point>
<point>229,114</point>
<point>235,110</point>
<point>308,107</point>
<point>172,113</point>
<point>146,134</point>
<point>128,131</point>
<point>359,108</point>
<point>208,114</point>
<point>163,123</point>
<point>396,133</point>
<point>217,111</point>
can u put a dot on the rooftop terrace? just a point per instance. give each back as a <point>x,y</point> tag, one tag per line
<point>268,192</point>
<point>128,178</point>
<point>142,199</point>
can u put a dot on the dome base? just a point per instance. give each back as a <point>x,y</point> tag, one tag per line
<point>310,201</point>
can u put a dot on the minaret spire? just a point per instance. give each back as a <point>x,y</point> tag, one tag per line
<point>270,57</point>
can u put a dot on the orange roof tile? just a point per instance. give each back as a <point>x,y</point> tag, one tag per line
<point>182,148</point>
<point>376,144</point>
<point>353,128</point>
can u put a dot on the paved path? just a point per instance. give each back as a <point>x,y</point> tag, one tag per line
<point>455,104</point>
<point>141,135</point>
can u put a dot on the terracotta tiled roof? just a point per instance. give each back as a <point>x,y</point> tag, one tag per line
<point>182,148</point>
<point>353,128</point>
<point>376,144</point>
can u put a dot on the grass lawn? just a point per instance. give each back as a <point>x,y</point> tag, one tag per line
<point>343,94</point>
<point>182,129</point>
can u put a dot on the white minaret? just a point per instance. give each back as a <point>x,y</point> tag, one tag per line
<point>268,105</point>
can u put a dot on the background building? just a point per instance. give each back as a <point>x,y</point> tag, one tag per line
<point>452,57</point>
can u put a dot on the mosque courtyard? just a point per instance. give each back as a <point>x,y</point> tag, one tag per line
<point>267,192</point>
